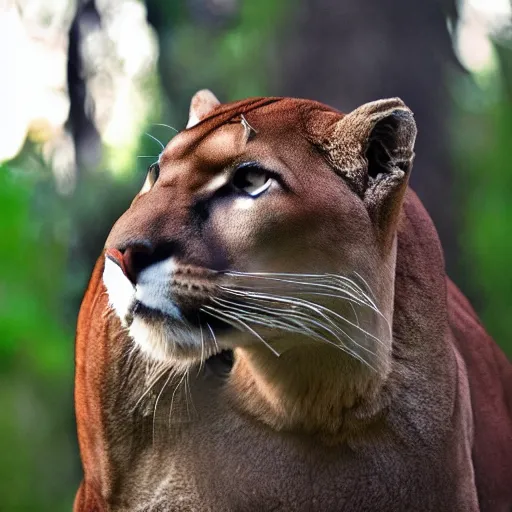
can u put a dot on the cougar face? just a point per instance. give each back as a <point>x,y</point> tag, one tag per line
<point>236,239</point>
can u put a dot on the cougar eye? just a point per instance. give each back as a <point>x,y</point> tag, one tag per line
<point>153,173</point>
<point>252,179</point>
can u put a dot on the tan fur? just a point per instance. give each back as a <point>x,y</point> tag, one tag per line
<point>391,423</point>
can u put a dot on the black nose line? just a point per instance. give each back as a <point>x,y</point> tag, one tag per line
<point>135,256</point>
<point>141,245</point>
<point>138,255</point>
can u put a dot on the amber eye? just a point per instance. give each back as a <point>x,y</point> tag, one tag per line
<point>252,179</point>
<point>153,173</point>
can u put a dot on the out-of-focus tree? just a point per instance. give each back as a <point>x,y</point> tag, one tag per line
<point>347,52</point>
<point>221,45</point>
<point>86,139</point>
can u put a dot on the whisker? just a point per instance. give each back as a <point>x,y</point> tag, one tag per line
<point>202,361</point>
<point>298,319</point>
<point>301,276</point>
<point>173,395</point>
<point>355,314</point>
<point>152,381</point>
<point>296,316</point>
<point>354,286</point>
<point>210,310</point>
<point>156,403</point>
<point>155,139</point>
<point>368,287</point>
<point>188,393</point>
<point>339,277</point>
<point>166,125</point>
<point>322,294</point>
<point>342,331</point>
<point>304,303</point>
<point>213,336</point>
<point>330,287</point>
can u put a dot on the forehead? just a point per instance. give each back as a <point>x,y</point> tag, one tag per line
<point>221,139</point>
<point>217,147</point>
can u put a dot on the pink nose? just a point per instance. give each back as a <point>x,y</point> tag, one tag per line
<point>131,260</point>
<point>117,257</point>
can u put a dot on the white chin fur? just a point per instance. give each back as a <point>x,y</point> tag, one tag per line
<point>159,339</point>
<point>150,339</point>
<point>162,341</point>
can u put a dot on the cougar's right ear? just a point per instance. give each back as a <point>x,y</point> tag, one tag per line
<point>203,102</point>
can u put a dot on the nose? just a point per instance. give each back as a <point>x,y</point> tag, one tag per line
<point>133,258</point>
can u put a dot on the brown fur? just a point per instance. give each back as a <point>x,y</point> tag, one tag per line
<point>314,429</point>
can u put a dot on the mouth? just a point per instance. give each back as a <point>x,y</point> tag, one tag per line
<point>186,314</point>
<point>165,309</point>
<point>194,318</point>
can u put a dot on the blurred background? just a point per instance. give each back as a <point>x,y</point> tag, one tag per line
<point>88,89</point>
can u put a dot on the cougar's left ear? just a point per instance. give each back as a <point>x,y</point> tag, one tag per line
<point>203,102</point>
<point>373,149</point>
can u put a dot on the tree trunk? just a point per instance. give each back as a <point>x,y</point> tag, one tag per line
<point>347,52</point>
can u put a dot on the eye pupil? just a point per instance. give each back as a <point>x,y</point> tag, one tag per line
<point>252,180</point>
<point>153,173</point>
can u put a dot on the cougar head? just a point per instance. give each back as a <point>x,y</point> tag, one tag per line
<point>266,221</point>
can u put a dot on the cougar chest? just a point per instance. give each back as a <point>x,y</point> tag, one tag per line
<point>207,457</point>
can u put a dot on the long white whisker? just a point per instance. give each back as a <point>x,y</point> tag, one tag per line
<point>330,287</point>
<point>295,316</point>
<point>213,336</point>
<point>213,311</point>
<point>166,125</point>
<point>355,314</point>
<point>173,395</point>
<point>152,381</point>
<point>155,139</point>
<point>201,363</point>
<point>298,321</point>
<point>156,402</point>
<point>370,291</point>
<point>341,344</point>
<point>301,302</point>
<point>349,300</point>
<point>355,287</point>
<point>188,393</point>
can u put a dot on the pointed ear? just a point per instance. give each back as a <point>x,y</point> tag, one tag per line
<point>203,102</point>
<point>373,149</point>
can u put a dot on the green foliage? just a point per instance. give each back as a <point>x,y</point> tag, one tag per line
<point>232,61</point>
<point>483,131</point>
<point>31,277</point>
<point>35,350</point>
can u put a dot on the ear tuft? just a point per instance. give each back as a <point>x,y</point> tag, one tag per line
<point>377,137</point>
<point>202,103</point>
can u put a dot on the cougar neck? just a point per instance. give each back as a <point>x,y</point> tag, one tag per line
<point>323,386</point>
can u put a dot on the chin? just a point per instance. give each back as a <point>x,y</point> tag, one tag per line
<point>160,327</point>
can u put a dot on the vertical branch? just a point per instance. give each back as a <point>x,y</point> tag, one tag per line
<point>85,136</point>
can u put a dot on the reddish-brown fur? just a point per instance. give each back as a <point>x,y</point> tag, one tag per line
<point>432,431</point>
